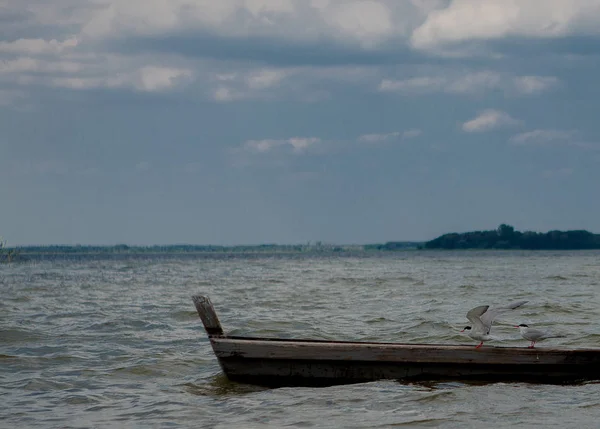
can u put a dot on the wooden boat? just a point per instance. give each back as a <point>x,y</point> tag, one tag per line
<point>302,362</point>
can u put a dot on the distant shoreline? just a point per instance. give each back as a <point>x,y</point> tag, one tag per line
<point>209,249</point>
<point>504,237</point>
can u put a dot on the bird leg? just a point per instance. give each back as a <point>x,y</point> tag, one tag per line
<point>532,345</point>
<point>480,344</point>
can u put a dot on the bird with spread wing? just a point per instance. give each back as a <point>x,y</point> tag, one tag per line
<point>481,319</point>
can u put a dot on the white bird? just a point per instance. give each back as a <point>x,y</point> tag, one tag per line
<point>482,317</point>
<point>535,335</point>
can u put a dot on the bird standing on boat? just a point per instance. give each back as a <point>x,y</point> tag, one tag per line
<point>535,335</point>
<point>482,317</point>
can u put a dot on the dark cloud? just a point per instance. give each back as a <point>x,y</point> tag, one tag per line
<point>268,50</point>
<point>541,47</point>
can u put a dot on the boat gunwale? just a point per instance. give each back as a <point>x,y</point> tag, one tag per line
<point>289,341</point>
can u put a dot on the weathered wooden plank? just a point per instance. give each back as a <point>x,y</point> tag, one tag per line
<point>273,372</point>
<point>207,313</point>
<point>373,352</point>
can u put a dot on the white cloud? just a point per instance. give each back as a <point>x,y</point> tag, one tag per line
<point>535,84</point>
<point>409,134</point>
<point>377,138</point>
<point>27,64</point>
<point>265,78</point>
<point>307,84</point>
<point>367,21</point>
<point>233,18</point>
<point>542,137</point>
<point>298,144</point>
<point>258,7</point>
<point>145,79</point>
<point>224,94</point>
<point>77,57</point>
<point>382,137</point>
<point>250,84</point>
<point>78,83</point>
<point>467,20</point>
<point>38,46</point>
<point>488,120</point>
<point>364,23</point>
<point>319,4</point>
<point>470,83</point>
<point>414,85</point>
<point>263,145</point>
<point>153,78</point>
<point>301,143</point>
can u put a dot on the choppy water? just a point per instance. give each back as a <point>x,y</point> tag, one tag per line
<point>117,343</point>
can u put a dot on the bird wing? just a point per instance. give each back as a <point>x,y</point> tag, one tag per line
<point>474,316</point>
<point>536,334</point>
<point>488,317</point>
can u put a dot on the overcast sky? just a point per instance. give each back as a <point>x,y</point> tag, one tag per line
<point>288,121</point>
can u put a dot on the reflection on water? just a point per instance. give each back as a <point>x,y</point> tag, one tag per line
<point>117,343</point>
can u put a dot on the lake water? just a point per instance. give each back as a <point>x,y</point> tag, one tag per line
<point>117,343</point>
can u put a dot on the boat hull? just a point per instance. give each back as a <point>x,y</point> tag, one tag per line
<point>273,363</point>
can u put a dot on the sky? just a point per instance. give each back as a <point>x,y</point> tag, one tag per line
<point>292,121</point>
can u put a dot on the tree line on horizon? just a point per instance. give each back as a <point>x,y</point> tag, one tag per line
<point>182,248</point>
<point>506,237</point>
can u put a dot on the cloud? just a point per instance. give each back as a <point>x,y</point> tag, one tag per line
<point>307,84</point>
<point>265,78</point>
<point>236,50</point>
<point>154,78</point>
<point>534,84</point>
<point>38,46</point>
<point>363,23</point>
<point>298,144</point>
<point>378,138</point>
<point>146,79</point>
<point>248,84</point>
<point>26,64</point>
<point>409,134</point>
<point>488,120</point>
<point>413,85</point>
<point>367,22</point>
<point>553,137</point>
<point>542,137</point>
<point>472,20</point>
<point>91,71</point>
<point>470,83</point>
<point>476,82</point>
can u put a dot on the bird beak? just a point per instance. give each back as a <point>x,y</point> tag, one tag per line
<point>517,326</point>
<point>462,330</point>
